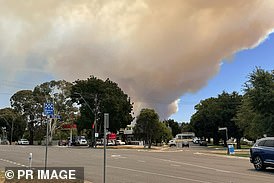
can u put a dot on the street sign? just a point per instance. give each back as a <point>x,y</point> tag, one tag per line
<point>48,109</point>
<point>225,128</point>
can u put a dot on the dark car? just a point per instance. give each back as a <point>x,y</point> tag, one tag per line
<point>203,143</point>
<point>262,153</point>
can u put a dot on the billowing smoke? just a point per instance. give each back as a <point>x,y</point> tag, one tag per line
<point>155,50</point>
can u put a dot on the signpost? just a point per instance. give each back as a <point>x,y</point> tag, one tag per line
<point>225,128</point>
<point>106,125</point>
<point>48,111</point>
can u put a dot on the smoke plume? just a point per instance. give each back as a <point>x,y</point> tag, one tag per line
<point>155,50</point>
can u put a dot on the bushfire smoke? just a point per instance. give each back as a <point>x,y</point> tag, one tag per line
<point>155,50</point>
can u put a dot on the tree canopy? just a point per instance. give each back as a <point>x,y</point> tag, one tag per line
<point>149,129</point>
<point>256,114</point>
<point>213,113</point>
<point>97,97</point>
<point>14,123</point>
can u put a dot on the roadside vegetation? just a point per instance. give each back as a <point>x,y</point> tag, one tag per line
<point>84,103</point>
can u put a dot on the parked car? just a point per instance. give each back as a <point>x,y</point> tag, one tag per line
<point>262,153</point>
<point>81,141</point>
<point>110,143</point>
<point>23,142</point>
<point>203,143</point>
<point>196,140</point>
<point>63,142</point>
<point>120,142</point>
<point>185,143</point>
<point>172,143</point>
<point>4,142</point>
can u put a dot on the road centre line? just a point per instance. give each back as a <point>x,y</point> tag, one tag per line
<point>198,166</point>
<point>158,174</point>
<point>175,165</point>
<point>142,161</point>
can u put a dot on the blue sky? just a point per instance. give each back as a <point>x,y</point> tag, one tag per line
<point>231,77</point>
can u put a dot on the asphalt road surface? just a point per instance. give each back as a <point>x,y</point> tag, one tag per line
<point>190,165</point>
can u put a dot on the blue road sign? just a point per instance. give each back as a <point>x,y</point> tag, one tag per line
<point>48,109</point>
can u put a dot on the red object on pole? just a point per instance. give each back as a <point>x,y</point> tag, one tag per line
<point>92,125</point>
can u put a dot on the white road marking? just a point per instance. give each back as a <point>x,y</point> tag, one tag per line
<point>175,165</point>
<point>142,161</point>
<point>209,168</point>
<point>158,174</point>
<point>117,156</point>
<point>12,162</point>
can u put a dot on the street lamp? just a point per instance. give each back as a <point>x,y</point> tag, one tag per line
<point>94,111</point>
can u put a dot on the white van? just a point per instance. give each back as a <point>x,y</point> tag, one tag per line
<point>183,139</point>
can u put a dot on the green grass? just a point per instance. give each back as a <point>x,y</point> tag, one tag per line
<point>222,147</point>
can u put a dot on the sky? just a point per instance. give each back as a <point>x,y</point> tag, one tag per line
<point>165,55</point>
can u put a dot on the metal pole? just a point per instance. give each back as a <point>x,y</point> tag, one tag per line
<point>11,132</point>
<point>106,118</point>
<point>30,160</point>
<point>70,137</point>
<point>226,135</point>
<point>226,141</point>
<point>46,155</point>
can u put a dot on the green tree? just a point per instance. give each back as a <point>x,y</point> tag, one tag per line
<point>163,133</point>
<point>256,114</point>
<point>147,125</point>
<point>186,127</point>
<point>173,126</point>
<point>58,93</point>
<point>14,123</point>
<point>205,121</point>
<point>24,103</point>
<point>30,105</point>
<point>213,113</point>
<point>97,97</point>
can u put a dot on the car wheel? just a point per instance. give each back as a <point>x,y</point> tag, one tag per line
<point>258,163</point>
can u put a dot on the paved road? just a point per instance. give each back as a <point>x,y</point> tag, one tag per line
<point>193,165</point>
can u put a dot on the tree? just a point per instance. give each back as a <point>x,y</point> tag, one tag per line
<point>97,97</point>
<point>30,105</point>
<point>24,103</point>
<point>146,126</point>
<point>186,127</point>
<point>14,123</point>
<point>58,93</point>
<point>256,114</point>
<point>173,126</point>
<point>163,133</point>
<point>213,113</point>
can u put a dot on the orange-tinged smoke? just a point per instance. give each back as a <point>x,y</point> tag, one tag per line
<point>155,50</point>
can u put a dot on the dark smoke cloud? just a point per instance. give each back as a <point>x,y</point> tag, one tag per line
<point>155,50</point>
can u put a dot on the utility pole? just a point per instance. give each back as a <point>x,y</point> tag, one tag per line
<point>106,126</point>
<point>95,111</point>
